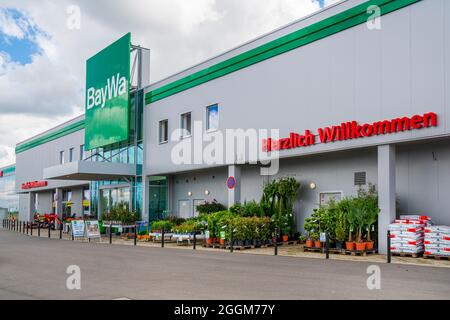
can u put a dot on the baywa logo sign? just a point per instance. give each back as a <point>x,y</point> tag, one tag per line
<point>107,95</point>
<point>116,86</point>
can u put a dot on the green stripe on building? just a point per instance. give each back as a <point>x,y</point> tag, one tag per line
<point>74,127</point>
<point>9,170</point>
<point>322,29</point>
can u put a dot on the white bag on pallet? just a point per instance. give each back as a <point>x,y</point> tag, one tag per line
<point>415,217</point>
<point>407,234</point>
<point>437,240</point>
<point>444,230</point>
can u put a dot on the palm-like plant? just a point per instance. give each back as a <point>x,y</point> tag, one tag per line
<point>359,213</point>
<point>371,218</point>
<point>351,220</point>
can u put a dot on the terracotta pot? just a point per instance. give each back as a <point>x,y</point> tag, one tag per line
<point>369,245</point>
<point>285,238</point>
<point>360,246</point>
<point>309,243</point>
<point>350,246</point>
<point>209,241</point>
<point>222,242</point>
<point>317,244</point>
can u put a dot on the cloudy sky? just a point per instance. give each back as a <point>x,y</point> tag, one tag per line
<point>43,52</point>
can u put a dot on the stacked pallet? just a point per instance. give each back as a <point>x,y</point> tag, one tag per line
<point>437,241</point>
<point>407,234</point>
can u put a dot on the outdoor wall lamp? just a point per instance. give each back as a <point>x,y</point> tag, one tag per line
<point>190,194</point>
<point>206,192</point>
<point>312,185</point>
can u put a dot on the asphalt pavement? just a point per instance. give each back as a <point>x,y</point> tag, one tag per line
<point>36,268</point>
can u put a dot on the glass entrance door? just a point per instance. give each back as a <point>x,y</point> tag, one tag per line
<point>67,204</point>
<point>112,198</point>
<point>158,198</point>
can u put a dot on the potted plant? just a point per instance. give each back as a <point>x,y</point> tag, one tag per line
<point>302,239</point>
<point>311,225</point>
<point>351,220</point>
<point>370,201</point>
<point>359,214</point>
<point>340,230</point>
<point>371,219</point>
<point>315,237</point>
<point>285,229</point>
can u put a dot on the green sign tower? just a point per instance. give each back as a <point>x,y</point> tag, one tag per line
<point>108,95</point>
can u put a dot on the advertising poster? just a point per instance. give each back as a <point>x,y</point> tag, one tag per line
<point>92,229</point>
<point>78,228</point>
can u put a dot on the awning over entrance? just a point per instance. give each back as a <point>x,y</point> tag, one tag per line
<point>90,171</point>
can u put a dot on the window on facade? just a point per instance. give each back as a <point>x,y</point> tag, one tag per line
<point>212,117</point>
<point>71,151</point>
<point>163,131</point>
<point>61,157</point>
<point>186,124</point>
<point>67,195</point>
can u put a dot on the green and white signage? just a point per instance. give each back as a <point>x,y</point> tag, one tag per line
<point>108,95</point>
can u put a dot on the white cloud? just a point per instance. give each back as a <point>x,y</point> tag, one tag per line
<point>11,27</point>
<point>180,33</point>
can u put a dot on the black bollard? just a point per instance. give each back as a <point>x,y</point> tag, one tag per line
<point>27,227</point>
<point>39,229</point>
<point>60,230</point>
<point>195,239</point>
<point>20,226</point>
<point>135,234</point>
<point>23,227</point>
<point>389,253</point>
<point>49,230</point>
<point>327,246</point>
<point>276,242</point>
<point>163,236</point>
<point>231,240</point>
<point>110,233</point>
<point>31,228</point>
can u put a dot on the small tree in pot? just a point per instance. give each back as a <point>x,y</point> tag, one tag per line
<point>341,229</point>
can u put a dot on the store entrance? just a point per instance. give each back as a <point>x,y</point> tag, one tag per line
<point>67,204</point>
<point>114,197</point>
<point>158,198</point>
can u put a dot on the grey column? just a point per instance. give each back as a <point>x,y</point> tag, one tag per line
<point>234,195</point>
<point>77,201</point>
<point>145,198</point>
<point>386,192</point>
<point>58,200</point>
<point>31,210</point>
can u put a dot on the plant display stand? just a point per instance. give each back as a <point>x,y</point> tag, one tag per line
<point>436,257</point>
<point>288,243</point>
<point>340,251</point>
<point>359,253</point>
<point>313,249</point>
<point>237,247</point>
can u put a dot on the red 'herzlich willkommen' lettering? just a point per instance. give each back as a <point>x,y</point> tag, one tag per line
<point>352,130</point>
